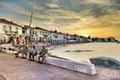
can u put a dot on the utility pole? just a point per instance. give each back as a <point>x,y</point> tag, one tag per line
<point>33,32</point>
<point>29,28</point>
<point>31,19</point>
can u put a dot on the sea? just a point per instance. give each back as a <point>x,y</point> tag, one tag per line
<point>85,51</point>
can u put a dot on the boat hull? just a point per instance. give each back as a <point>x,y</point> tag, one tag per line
<point>106,61</point>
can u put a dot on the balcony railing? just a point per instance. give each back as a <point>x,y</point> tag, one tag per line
<point>11,32</point>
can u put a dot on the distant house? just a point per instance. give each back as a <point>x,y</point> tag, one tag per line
<point>76,38</point>
<point>68,36</point>
<point>26,34</point>
<point>72,38</point>
<point>111,39</point>
<point>35,34</point>
<point>41,35</point>
<point>83,39</point>
<point>10,32</point>
<point>57,37</point>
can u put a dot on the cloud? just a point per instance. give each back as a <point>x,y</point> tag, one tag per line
<point>66,15</point>
<point>109,21</point>
<point>37,7</point>
<point>66,21</point>
<point>52,5</point>
<point>14,7</point>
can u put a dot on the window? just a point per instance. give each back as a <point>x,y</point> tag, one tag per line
<point>31,31</point>
<point>16,29</point>
<point>64,37</point>
<point>35,32</point>
<point>4,27</point>
<point>40,32</point>
<point>10,28</point>
<point>23,31</point>
<point>55,36</point>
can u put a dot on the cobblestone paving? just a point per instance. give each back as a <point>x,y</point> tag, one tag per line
<point>2,77</point>
<point>21,69</point>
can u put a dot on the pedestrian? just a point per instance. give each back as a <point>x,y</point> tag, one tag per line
<point>42,54</point>
<point>34,51</point>
<point>24,53</point>
<point>20,50</point>
<point>30,50</point>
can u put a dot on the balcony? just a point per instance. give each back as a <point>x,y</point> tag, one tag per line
<point>11,32</point>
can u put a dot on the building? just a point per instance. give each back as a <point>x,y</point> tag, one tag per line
<point>35,34</point>
<point>57,37</point>
<point>10,32</point>
<point>26,34</point>
<point>70,38</point>
<point>41,35</point>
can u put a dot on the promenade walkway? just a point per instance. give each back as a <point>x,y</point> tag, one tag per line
<point>21,69</point>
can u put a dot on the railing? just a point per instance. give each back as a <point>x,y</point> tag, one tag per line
<point>11,32</point>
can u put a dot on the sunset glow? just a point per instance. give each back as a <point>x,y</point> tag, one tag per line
<point>98,18</point>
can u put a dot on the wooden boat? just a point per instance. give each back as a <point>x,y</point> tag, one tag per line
<point>106,61</point>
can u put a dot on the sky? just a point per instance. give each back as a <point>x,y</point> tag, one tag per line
<point>97,18</point>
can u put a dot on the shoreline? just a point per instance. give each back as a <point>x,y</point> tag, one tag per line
<point>96,49</point>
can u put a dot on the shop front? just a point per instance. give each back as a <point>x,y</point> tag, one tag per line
<point>4,38</point>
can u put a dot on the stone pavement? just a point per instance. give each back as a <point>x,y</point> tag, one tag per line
<point>21,69</point>
<point>2,77</point>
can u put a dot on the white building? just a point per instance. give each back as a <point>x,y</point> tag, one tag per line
<point>72,38</point>
<point>10,31</point>
<point>26,34</point>
<point>58,37</point>
<point>36,34</point>
<point>41,35</point>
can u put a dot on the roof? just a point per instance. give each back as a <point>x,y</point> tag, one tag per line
<point>40,28</point>
<point>8,22</point>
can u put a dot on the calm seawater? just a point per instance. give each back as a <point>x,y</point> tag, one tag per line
<point>82,52</point>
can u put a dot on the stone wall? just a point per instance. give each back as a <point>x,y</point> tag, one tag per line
<point>83,67</point>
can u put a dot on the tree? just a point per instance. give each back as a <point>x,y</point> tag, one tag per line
<point>55,31</point>
<point>89,37</point>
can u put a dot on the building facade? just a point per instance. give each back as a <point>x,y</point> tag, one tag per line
<point>57,37</point>
<point>10,32</point>
<point>42,35</point>
<point>37,34</point>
